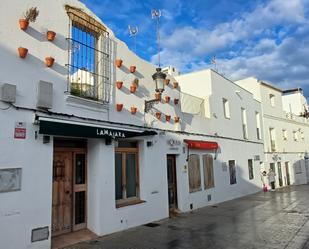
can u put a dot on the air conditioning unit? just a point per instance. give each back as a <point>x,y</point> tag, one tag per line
<point>45,95</point>
<point>8,93</point>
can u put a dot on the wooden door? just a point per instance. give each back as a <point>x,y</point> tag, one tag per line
<point>287,170</point>
<point>62,193</point>
<point>172,183</point>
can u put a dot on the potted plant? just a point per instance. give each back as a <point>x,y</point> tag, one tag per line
<point>22,52</point>
<point>135,82</point>
<point>132,69</point>
<point>118,63</point>
<point>119,107</point>
<point>133,88</point>
<point>167,99</point>
<point>176,101</point>
<point>175,84</point>
<point>49,61</point>
<point>50,35</point>
<point>158,115</point>
<point>30,16</point>
<point>167,118</point>
<point>157,96</point>
<point>176,119</point>
<point>119,84</point>
<point>166,81</point>
<point>133,110</point>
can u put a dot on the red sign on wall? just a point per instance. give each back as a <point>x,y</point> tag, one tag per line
<point>20,130</point>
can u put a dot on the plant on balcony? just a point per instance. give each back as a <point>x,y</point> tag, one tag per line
<point>119,107</point>
<point>175,84</point>
<point>176,101</point>
<point>83,91</point>
<point>22,52</point>
<point>167,118</point>
<point>133,110</point>
<point>132,69</point>
<point>157,96</point>
<point>176,119</point>
<point>167,99</point>
<point>49,61</point>
<point>118,63</point>
<point>158,115</point>
<point>50,35</point>
<point>30,16</point>
<point>119,84</point>
<point>166,82</point>
<point>133,88</point>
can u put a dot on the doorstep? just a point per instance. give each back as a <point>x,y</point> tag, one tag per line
<point>72,238</point>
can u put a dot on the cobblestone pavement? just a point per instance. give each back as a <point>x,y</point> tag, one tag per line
<point>272,220</point>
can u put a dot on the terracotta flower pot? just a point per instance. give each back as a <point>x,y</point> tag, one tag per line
<point>49,61</point>
<point>133,110</point>
<point>22,52</point>
<point>175,84</point>
<point>50,35</point>
<point>135,82</point>
<point>176,119</point>
<point>176,101</point>
<point>167,118</point>
<point>158,115</point>
<point>157,96</point>
<point>166,81</point>
<point>119,84</point>
<point>167,99</point>
<point>132,69</point>
<point>119,107</point>
<point>23,24</point>
<point>118,63</point>
<point>133,88</point>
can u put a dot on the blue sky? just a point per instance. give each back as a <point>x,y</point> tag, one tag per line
<point>267,39</point>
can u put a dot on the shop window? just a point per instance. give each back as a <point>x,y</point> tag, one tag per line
<point>194,173</point>
<point>209,181</point>
<point>250,169</point>
<point>126,173</point>
<point>232,170</point>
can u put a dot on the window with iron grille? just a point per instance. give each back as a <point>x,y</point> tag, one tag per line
<point>89,57</point>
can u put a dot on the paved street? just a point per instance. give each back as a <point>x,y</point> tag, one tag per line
<point>272,220</point>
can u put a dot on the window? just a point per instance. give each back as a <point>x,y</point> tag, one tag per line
<point>244,123</point>
<point>297,166</point>
<point>209,181</point>
<point>226,108</point>
<point>295,135</point>
<point>302,136</point>
<point>272,99</point>
<point>89,57</point>
<point>284,134</point>
<point>272,166</point>
<point>232,170</point>
<point>250,169</point>
<point>258,125</point>
<point>272,137</point>
<point>126,172</point>
<point>194,173</point>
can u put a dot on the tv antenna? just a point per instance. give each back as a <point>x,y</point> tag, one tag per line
<point>156,14</point>
<point>133,33</point>
<point>213,62</point>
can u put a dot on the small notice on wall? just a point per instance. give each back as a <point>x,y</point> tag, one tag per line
<point>20,130</point>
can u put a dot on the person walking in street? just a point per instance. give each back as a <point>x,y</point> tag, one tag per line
<point>263,179</point>
<point>272,179</point>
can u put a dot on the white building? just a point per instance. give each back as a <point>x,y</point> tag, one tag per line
<point>286,131</point>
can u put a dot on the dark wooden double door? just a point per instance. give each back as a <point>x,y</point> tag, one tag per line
<point>172,182</point>
<point>69,191</point>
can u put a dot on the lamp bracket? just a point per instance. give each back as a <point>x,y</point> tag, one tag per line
<point>149,104</point>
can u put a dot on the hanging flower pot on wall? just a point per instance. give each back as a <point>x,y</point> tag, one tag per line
<point>118,63</point>
<point>119,84</point>
<point>133,110</point>
<point>167,118</point>
<point>158,115</point>
<point>50,35</point>
<point>30,16</point>
<point>22,52</point>
<point>157,96</point>
<point>176,119</point>
<point>119,107</point>
<point>132,88</point>
<point>132,69</point>
<point>176,101</point>
<point>135,82</point>
<point>23,24</point>
<point>167,99</point>
<point>166,81</point>
<point>175,84</point>
<point>49,61</point>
